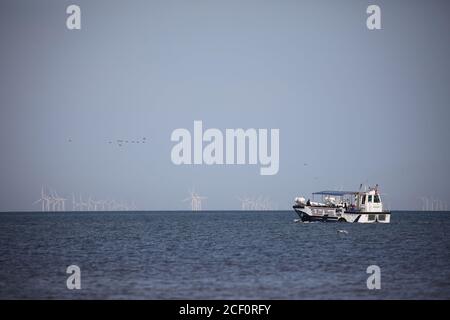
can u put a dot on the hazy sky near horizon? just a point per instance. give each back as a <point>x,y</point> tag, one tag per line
<point>356,106</point>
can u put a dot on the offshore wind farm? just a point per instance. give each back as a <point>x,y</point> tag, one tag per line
<point>50,201</point>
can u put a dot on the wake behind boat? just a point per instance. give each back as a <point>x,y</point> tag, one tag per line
<point>343,206</point>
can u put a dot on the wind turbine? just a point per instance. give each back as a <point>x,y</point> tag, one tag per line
<point>245,203</point>
<point>196,201</point>
<point>83,204</point>
<point>423,202</point>
<point>54,200</point>
<point>76,206</point>
<point>91,204</point>
<point>267,204</point>
<point>60,202</point>
<point>260,203</point>
<point>193,201</point>
<point>123,206</point>
<point>96,204</point>
<point>112,205</point>
<point>103,204</point>
<point>199,201</point>
<point>44,200</point>
<point>252,204</point>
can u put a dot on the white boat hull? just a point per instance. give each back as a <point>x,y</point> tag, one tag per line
<point>330,214</point>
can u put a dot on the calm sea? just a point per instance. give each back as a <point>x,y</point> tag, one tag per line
<point>221,255</point>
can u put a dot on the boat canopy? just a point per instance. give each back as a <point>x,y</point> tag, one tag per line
<point>335,193</point>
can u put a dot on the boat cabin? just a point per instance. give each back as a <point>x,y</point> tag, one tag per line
<point>357,201</point>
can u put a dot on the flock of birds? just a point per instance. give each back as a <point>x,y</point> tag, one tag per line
<point>121,142</point>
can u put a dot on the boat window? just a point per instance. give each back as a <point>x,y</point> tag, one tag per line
<point>376,199</point>
<point>363,199</point>
<point>370,198</point>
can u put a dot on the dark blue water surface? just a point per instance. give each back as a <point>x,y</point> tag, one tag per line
<point>230,255</point>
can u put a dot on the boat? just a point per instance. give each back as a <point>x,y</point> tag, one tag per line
<point>343,206</point>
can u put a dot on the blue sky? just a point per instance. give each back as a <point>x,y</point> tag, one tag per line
<point>356,106</point>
